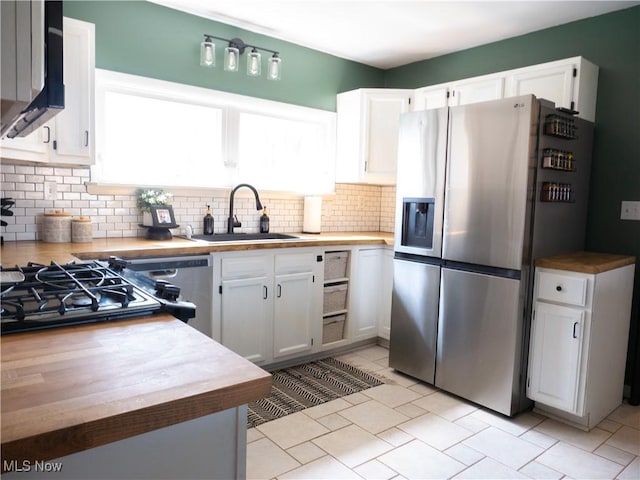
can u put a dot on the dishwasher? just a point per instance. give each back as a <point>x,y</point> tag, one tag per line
<point>192,273</point>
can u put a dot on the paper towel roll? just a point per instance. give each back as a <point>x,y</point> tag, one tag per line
<point>312,215</point>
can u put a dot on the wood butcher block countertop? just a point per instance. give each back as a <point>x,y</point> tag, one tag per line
<point>586,262</point>
<point>18,253</point>
<point>69,389</point>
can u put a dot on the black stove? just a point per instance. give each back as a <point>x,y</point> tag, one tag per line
<point>38,296</point>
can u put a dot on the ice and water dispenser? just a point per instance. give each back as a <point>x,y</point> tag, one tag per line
<point>417,222</point>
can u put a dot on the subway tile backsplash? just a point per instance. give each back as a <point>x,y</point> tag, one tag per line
<point>352,208</point>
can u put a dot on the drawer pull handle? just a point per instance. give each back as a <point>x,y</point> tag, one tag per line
<point>574,330</point>
<point>559,288</point>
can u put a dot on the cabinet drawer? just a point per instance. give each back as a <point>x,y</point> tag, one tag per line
<point>562,288</point>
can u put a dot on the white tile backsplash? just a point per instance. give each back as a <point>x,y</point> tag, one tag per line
<point>352,208</point>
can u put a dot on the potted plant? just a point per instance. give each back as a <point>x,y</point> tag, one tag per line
<point>150,197</point>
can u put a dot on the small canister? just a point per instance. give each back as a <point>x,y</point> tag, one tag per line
<point>81,230</point>
<point>56,227</point>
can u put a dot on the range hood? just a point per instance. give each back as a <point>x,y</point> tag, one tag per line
<point>32,86</point>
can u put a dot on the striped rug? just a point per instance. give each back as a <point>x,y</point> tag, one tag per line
<point>308,385</point>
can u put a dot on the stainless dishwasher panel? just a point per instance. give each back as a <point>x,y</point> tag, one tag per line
<point>414,318</point>
<point>479,339</point>
<point>192,273</point>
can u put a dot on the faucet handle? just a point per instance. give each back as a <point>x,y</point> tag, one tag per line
<point>236,223</point>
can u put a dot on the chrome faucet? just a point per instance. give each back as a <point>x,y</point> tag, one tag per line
<point>232,221</point>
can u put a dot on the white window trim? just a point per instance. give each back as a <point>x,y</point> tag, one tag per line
<point>231,104</point>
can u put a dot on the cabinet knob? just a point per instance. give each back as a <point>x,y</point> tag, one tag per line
<point>559,288</point>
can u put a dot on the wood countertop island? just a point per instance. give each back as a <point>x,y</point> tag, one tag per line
<point>586,262</point>
<point>70,389</point>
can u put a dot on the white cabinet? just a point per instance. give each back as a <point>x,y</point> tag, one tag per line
<point>68,137</point>
<point>367,134</point>
<point>246,306</point>
<point>463,92</point>
<point>384,329</point>
<point>366,304</point>
<point>269,304</point>
<point>571,83</point>
<point>296,303</point>
<point>579,335</point>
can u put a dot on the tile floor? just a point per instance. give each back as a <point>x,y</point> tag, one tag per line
<point>405,429</point>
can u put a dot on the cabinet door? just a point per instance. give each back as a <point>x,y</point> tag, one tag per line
<point>246,313</point>
<point>382,111</point>
<point>430,97</point>
<point>74,125</point>
<point>384,327</point>
<point>553,83</point>
<point>555,356</point>
<point>293,313</point>
<point>366,294</point>
<point>34,147</point>
<point>476,90</point>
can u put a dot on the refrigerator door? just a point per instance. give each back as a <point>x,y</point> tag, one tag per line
<point>491,151</point>
<point>414,318</point>
<point>479,339</point>
<point>422,149</point>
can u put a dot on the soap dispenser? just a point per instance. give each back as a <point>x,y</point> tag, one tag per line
<point>264,221</point>
<point>208,222</point>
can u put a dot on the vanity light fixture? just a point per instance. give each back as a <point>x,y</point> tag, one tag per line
<point>232,52</point>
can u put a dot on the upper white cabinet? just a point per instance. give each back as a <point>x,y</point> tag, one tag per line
<point>463,92</point>
<point>570,84</point>
<point>367,134</point>
<point>69,137</point>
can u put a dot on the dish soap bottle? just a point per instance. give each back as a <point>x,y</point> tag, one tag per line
<point>208,222</point>
<point>264,221</point>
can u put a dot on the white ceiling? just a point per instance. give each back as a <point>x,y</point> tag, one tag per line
<point>389,33</point>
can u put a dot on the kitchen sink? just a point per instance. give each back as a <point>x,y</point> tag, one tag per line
<point>234,237</point>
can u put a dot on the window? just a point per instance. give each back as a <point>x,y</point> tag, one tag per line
<point>151,132</point>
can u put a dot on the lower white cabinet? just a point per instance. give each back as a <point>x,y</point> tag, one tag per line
<point>579,335</point>
<point>269,304</point>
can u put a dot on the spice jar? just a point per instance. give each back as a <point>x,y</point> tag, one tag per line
<point>56,227</point>
<point>81,230</point>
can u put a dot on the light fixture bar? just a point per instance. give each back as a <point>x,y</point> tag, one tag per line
<point>239,44</point>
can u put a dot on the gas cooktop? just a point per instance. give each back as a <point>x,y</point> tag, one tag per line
<point>38,296</point>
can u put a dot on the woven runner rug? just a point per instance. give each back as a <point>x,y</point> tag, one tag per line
<point>308,385</point>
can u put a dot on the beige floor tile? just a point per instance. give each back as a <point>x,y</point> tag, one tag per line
<point>488,468</point>
<point>373,416</point>
<point>360,362</point>
<point>627,439</point>
<point>410,410</point>
<point>356,398</point>
<point>472,424</point>
<point>327,408</point>
<point>627,414</point>
<point>614,454</point>
<point>578,463</point>
<point>588,441</point>
<point>375,470</point>
<point>514,425</point>
<point>292,430</point>
<point>464,454</point>
<point>321,469</point>
<point>396,378</point>
<point>503,447</point>
<point>334,421</point>
<point>632,472</point>
<point>395,437</point>
<point>540,472</point>
<point>435,431</point>
<point>417,460</point>
<point>423,388</point>
<point>373,353</point>
<point>538,438</point>
<point>306,452</point>
<point>253,434</point>
<point>445,405</point>
<point>352,445</point>
<point>391,395</point>
<point>609,425</point>
<point>266,460</point>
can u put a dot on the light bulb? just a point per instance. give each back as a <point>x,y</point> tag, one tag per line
<point>207,53</point>
<point>275,67</point>
<point>254,63</point>
<point>231,59</point>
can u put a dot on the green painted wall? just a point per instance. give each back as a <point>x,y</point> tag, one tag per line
<point>146,39</point>
<point>612,42</point>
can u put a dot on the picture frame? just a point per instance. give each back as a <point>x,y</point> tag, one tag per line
<point>162,216</point>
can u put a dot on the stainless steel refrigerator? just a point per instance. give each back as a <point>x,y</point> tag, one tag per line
<point>482,191</point>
